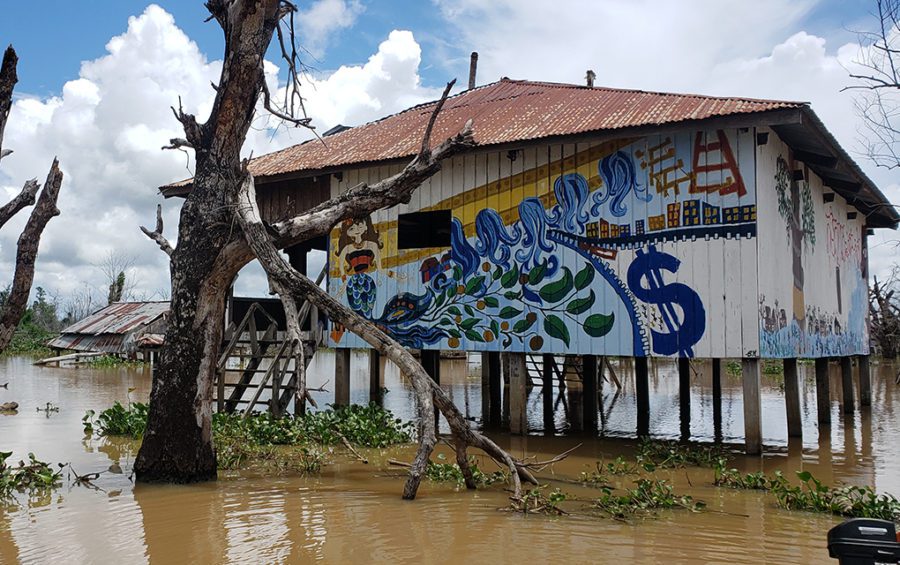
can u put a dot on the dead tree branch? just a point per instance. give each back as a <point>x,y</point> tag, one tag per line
<point>21,200</point>
<point>26,254</point>
<point>361,200</point>
<point>876,81</point>
<point>8,80</point>
<point>157,234</point>
<point>428,393</point>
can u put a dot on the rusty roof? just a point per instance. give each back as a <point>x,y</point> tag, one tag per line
<point>510,111</point>
<point>119,318</point>
<point>502,112</point>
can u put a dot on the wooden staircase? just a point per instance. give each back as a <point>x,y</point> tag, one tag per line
<point>257,364</point>
<point>566,369</point>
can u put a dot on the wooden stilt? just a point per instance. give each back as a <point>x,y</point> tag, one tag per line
<point>823,391</point>
<point>490,362</point>
<point>547,371</point>
<point>751,378</point>
<point>865,381</point>
<point>375,377</point>
<point>792,398</point>
<point>518,393</point>
<point>431,362</point>
<point>642,389</point>
<point>717,398</point>
<point>342,377</point>
<point>589,390</point>
<point>684,397</point>
<point>847,385</point>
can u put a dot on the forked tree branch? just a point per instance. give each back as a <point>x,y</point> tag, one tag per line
<point>25,198</point>
<point>428,393</point>
<point>157,234</point>
<point>361,200</point>
<point>26,254</point>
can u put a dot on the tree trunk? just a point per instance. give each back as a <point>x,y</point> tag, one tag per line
<point>177,445</point>
<point>27,247</point>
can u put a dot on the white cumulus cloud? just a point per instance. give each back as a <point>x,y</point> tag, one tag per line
<point>108,125</point>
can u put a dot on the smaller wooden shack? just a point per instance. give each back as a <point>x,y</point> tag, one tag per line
<point>122,328</point>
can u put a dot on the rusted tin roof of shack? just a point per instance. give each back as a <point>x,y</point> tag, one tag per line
<point>119,318</point>
<point>510,111</point>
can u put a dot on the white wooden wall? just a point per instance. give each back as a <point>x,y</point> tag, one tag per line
<point>823,312</point>
<point>715,264</point>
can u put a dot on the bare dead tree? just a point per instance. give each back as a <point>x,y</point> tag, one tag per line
<point>45,209</point>
<point>117,267</point>
<point>884,314</point>
<point>876,76</point>
<point>220,231</point>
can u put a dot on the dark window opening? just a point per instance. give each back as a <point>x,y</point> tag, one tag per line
<point>423,229</point>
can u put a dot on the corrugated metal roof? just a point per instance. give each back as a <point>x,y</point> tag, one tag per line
<point>510,111</point>
<point>503,112</point>
<point>119,318</point>
<point>108,343</point>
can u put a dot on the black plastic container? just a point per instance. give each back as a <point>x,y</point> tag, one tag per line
<point>864,541</point>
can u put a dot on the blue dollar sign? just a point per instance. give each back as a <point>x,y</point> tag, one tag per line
<point>682,334</point>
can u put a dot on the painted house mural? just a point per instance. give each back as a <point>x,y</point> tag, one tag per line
<point>588,248</point>
<point>596,221</point>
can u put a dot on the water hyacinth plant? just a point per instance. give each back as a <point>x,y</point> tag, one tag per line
<point>32,477</point>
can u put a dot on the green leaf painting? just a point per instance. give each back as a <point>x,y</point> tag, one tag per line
<point>598,325</point>
<point>555,327</point>
<point>557,290</point>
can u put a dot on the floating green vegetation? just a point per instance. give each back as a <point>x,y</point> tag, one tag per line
<point>368,426</point>
<point>541,500</point>
<point>773,367</point>
<point>451,473</point>
<point>600,476</point>
<point>33,477</point>
<point>733,367</point>
<point>732,478</point>
<point>111,362</point>
<point>276,444</point>
<point>649,496</point>
<point>652,454</point>
<point>813,496</point>
<point>118,420</point>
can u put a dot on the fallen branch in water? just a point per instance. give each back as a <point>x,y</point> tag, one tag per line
<point>347,444</point>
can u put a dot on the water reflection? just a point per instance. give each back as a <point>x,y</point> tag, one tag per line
<point>352,512</point>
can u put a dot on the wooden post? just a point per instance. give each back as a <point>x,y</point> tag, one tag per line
<point>589,391</point>
<point>642,389</point>
<point>547,392</point>
<point>491,389</point>
<point>865,381</point>
<point>431,362</point>
<point>847,384</point>
<point>375,377</point>
<point>751,378</point>
<point>684,397</point>
<point>717,398</point>
<point>342,377</point>
<point>792,398</point>
<point>823,391</point>
<point>518,393</point>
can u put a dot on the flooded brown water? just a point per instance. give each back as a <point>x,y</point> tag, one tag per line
<point>352,513</point>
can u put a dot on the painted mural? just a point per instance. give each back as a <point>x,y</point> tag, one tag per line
<point>601,251</point>
<point>823,313</point>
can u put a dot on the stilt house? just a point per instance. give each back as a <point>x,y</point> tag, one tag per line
<point>596,221</point>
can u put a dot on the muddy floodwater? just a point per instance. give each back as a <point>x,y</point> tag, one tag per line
<point>352,513</point>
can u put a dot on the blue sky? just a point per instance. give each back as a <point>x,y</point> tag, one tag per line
<point>55,40</point>
<point>102,106</point>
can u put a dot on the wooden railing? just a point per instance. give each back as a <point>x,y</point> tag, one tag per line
<point>260,346</point>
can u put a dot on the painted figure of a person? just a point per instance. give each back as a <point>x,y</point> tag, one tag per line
<point>359,253</point>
